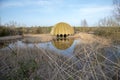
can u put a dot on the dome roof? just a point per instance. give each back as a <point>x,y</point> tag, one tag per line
<point>62,28</point>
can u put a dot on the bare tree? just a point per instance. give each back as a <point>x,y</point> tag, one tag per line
<point>84,23</point>
<point>117,9</point>
<point>108,22</point>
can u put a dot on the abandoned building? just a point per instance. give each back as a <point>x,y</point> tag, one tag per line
<point>62,30</point>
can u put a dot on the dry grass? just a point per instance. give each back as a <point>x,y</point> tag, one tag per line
<point>99,58</point>
<point>90,38</point>
<point>90,61</point>
<point>31,63</point>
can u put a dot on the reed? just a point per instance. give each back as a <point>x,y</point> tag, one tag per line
<point>95,60</point>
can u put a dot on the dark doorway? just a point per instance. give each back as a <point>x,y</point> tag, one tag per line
<point>61,35</point>
<point>57,35</point>
<point>65,35</point>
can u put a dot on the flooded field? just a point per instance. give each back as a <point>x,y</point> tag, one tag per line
<point>60,59</point>
<point>63,46</point>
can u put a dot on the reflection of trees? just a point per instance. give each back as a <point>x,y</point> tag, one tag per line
<point>4,44</point>
<point>62,44</point>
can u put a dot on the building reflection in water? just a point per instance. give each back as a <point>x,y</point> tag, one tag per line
<point>62,44</point>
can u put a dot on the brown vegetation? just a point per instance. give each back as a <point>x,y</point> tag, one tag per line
<point>91,38</point>
<point>30,38</point>
<point>93,59</point>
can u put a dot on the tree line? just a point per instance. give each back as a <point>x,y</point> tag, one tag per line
<point>105,26</point>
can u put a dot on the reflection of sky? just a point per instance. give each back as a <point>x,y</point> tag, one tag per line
<point>47,45</point>
<point>68,52</point>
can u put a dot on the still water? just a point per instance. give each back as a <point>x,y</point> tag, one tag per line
<point>65,47</point>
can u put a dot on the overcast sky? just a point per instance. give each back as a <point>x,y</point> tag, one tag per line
<point>50,12</point>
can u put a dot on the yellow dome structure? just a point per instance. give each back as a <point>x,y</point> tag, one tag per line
<point>62,29</point>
